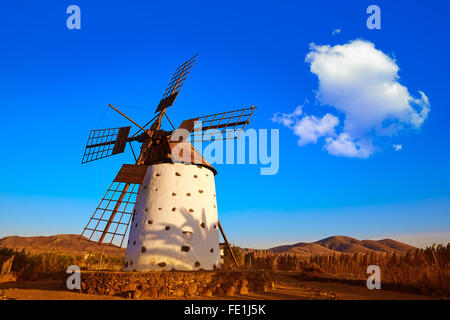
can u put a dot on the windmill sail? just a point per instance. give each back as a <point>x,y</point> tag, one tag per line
<point>110,221</point>
<point>175,84</point>
<point>105,143</point>
<point>220,126</point>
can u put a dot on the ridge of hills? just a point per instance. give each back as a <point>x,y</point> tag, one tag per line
<point>75,244</point>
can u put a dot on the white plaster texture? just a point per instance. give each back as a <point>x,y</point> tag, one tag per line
<point>175,222</point>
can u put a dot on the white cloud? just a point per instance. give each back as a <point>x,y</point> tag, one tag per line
<point>287,119</point>
<point>397,147</point>
<point>308,128</point>
<point>343,146</point>
<point>362,84</point>
<point>336,31</point>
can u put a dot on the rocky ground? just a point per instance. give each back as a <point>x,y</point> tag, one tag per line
<point>286,287</point>
<point>169,284</point>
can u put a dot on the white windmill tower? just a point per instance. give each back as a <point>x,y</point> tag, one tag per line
<point>169,195</point>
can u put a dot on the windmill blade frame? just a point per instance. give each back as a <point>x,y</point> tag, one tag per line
<point>114,212</point>
<point>175,84</point>
<point>205,128</point>
<point>103,143</point>
<point>111,219</point>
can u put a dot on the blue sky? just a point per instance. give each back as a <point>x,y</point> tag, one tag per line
<point>55,85</point>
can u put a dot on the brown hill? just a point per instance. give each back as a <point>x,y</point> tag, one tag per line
<point>74,244</point>
<point>303,249</point>
<point>396,245</point>
<point>377,246</point>
<point>64,243</point>
<point>343,244</point>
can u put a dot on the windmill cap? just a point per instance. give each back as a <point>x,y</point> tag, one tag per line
<point>178,152</point>
<point>184,152</point>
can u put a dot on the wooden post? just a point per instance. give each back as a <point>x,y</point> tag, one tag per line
<point>228,245</point>
<point>6,268</point>
<point>111,218</point>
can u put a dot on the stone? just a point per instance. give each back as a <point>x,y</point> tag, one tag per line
<point>163,292</point>
<point>176,283</point>
<point>207,292</point>
<point>243,290</point>
<point>178,292</point>
<point>219,292</point>
<point>129,287</point>
<point>231,291</point>
<point>152,292</point>
<point>136,294</point>
<point>192,289</point>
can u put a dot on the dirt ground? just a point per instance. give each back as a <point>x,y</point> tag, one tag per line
<point>286,288</point>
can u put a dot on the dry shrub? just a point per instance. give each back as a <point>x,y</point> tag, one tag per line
<point>310,272</point>
<point>421,271</point>
<point>53,265</point>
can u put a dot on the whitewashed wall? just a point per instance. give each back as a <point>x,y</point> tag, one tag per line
<point>175,221</point>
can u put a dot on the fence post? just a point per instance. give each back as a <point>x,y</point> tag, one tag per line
<point>6,268</point>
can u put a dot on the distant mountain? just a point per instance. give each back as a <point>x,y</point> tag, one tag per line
<point>64,243</point>
<point>396,245</point>
<point>343,244</point>
<point>72,243</point>
<point>302,248</point>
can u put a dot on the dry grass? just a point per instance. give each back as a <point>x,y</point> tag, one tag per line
<point>424,271</point>
<point>34,265</point>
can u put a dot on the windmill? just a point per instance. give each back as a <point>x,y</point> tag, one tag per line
<point>168,196</point>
